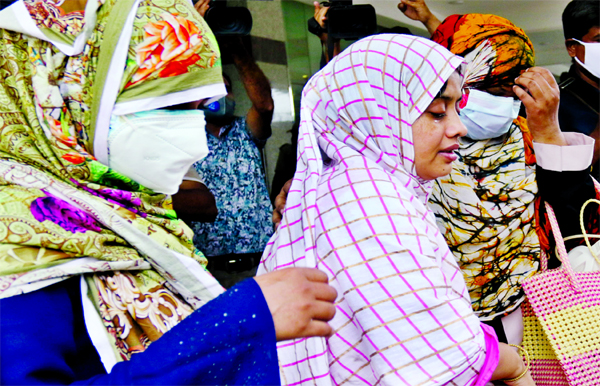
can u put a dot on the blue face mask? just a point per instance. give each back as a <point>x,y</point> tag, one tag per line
<point>488,116</point>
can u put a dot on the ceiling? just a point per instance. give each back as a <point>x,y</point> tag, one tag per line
<point>541,20</point>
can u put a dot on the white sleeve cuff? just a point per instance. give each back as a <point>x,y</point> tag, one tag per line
<point>192,175</point>
<point>577,155</point>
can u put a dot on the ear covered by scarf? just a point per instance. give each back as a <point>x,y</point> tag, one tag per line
<point>513,50</point>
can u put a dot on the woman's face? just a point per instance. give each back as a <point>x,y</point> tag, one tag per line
<point>436,132</point>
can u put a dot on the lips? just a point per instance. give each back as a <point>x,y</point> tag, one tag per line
<point>450,149</point>
<point>449,153</point>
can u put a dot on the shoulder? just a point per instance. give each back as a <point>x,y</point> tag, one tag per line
<point>369,199</point>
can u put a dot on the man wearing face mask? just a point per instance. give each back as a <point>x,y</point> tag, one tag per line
<point>579,90</point>
<point>233,171</point>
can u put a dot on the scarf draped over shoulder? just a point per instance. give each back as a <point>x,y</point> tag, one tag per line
<point>357,211</point>
<point>66,68</point>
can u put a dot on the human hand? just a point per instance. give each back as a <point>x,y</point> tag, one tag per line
<point>280,201</point>
<point>539,92</point>
<point>202,6</point>
<point>320,13</point>
<point>415,10</point>
<point>300,301</point>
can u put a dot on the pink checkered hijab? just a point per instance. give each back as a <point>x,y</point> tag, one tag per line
<point>357,210</point>
<point>363,103</point>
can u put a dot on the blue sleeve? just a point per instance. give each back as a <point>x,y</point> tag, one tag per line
<point>230,340</point>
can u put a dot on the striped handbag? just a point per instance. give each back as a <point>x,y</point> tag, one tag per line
<point>566,305</point>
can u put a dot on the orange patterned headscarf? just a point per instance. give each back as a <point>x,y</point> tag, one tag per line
<point>513,50</point>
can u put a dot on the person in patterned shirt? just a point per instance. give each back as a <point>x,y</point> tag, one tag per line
<point>233,173</point>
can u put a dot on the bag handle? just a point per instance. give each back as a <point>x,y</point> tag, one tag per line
<point>586,237</point>
<point>560,243</point>
<point>562,251</point>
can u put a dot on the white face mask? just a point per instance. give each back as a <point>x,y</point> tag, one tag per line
<point>488,116</point>
<point>591,58</point>
<point>156,148</point>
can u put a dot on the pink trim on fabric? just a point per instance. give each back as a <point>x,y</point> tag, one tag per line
<point>492,357</point>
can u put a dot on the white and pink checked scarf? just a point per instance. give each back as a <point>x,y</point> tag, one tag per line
<point>357,211</point>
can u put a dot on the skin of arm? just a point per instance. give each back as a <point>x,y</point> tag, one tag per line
<point>257,88</point>
<point>511,366</point>
<point>321,18</point>
<point>418,10</point>
<point>255,82</point>
<point>194,202</point>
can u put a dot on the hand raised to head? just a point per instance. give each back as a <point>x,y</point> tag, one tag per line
<point>419,11</point>
<point>539,92</point>
<point>415,10</point>
<point>300,301</point>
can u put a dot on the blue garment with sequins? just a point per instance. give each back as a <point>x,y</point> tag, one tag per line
<point>228,341</point>
<point>233,172</point>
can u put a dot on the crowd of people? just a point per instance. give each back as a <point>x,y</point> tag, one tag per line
<point>138,243</point>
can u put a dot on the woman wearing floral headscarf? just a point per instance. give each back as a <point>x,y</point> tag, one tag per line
<point>98,126</point>
<point>378,124</point>
<point>488,206</point>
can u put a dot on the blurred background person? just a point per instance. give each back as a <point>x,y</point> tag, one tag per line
<point>579,88</point>
<point>234,172</point>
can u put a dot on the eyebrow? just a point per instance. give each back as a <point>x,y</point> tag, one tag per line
<point>446,97</point>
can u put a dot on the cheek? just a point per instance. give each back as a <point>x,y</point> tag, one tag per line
<point>427,141</point>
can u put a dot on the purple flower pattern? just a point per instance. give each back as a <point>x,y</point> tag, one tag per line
<point>63,214</point>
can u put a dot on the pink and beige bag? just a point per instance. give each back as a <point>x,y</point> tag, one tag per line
<point>566,306</point>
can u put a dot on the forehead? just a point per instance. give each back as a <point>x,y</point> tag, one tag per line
<point>453,87</point>
<point>592,36</point>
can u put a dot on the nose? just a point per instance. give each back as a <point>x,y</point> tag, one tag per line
<point>455,126</point>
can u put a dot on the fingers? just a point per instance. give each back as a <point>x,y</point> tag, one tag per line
<point>545,73</point>
<point>313,274</point>
<point>325,292</point>
<point>279,204</point>
<point>523,96</point>
<point>323,311</point>
<point>540,83</point>
<point>300,301</point>
<point>286,186</point>
<point>317,328</point>
<point>276,217</point>
<point>202,6</point>
<point>539,92</point>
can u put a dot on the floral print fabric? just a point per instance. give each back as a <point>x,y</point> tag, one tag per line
<point>233,172</point>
